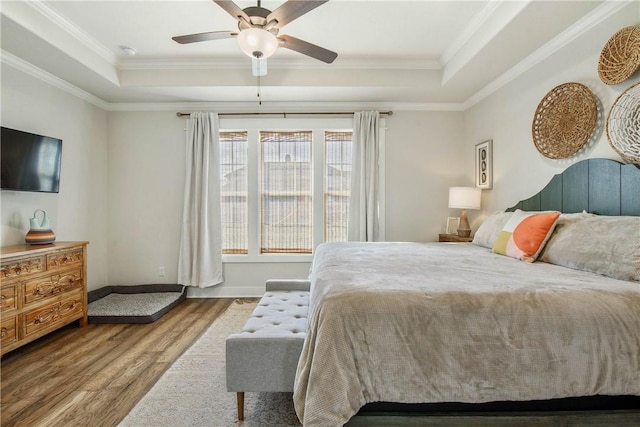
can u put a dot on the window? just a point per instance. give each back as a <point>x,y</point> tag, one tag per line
<point>233,191</point>
<point>337,179</point>
<point>285,186</point>
<point>286,193</point>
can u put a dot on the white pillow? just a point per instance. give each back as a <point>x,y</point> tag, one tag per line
<point>606,245</point>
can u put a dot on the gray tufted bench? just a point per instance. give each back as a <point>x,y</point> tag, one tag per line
<point>263,357</point>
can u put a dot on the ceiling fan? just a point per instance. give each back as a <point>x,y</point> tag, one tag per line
<point>258,32</point>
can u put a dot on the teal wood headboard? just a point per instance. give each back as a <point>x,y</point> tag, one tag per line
<point>600,186</point>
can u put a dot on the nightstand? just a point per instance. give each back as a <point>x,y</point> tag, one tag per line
<point>453,238</point>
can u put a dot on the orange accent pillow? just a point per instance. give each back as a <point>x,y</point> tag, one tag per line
<point>525,234</point>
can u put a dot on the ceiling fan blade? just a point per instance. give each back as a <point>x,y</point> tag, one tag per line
<point>307,48</point>
<point>202,37</point>
<point>293,9</point>
<point>232,9</point>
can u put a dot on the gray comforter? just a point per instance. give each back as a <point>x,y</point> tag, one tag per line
<point>410,322</point>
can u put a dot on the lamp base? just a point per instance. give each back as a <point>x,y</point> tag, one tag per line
<point>464,229</point>
<point>464,233</point>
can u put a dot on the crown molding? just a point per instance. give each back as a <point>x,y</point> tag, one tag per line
<point>502,13</point>
<point>227,63</point>
<point>275,107</point>
<point>76,32</point>
<point>592,19</point>
<point>474,26</point>
<point>46,77</point>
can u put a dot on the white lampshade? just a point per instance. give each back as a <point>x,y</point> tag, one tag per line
<point>465,197</point>
<point>257,43</point>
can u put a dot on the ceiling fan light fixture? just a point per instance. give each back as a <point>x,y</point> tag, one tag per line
<point>257,43</point>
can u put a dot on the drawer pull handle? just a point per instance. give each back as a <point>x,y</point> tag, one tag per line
<point>4,333</point>
<point>3,300</point>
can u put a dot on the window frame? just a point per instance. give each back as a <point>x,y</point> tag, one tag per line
<point>317,125</point>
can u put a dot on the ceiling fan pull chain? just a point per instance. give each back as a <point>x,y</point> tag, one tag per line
<point>259,99</point>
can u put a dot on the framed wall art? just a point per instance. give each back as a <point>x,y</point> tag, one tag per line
<point>484,165</point>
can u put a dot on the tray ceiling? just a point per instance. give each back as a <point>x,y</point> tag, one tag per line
<point>389,52</point>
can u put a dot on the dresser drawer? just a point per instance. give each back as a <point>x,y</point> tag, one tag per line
<point>57,313</point>
<point>8,330</point>
<point>22,267</point>
<point>54,284</point>
<point>9,298</point>
<point>64,258</point>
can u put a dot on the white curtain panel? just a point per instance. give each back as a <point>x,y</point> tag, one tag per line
<point>200,262</point>
<point>364,214</point>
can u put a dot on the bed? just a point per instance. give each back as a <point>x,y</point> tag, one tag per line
<point>440,322</point>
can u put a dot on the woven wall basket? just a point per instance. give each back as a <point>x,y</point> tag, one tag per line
<point>620,57</point>
<point>564,120</point>
<point>623,124</point>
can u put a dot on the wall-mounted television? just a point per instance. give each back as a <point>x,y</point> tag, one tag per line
<point>29,162</point>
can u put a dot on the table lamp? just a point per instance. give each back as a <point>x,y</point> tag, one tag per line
<point>464,198</point>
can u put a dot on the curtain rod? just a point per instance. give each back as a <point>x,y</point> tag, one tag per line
<point>388,113</point>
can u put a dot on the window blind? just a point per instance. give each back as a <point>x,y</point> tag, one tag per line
<point>234,189</point>
<point>337,184</point>
<point>286,202</point>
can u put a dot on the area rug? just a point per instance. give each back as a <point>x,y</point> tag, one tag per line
<point>192,392</point>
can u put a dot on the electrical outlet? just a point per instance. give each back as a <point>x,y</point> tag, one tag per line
<point>161,271</point>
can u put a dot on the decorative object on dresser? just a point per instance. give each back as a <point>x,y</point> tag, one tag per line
<point>40,233</point>
<point>623,125</point>
<point>43,288</point>
<point>620,57</point>
<point>564,120</point>
<point>484,165</point>
<point>464,198</point>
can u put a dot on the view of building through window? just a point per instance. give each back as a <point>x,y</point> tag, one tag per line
<point>285,190</point>
<point>337,185</point>
<point>234,192</point>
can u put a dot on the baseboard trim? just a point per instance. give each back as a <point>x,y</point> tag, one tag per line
<point>226,292</point>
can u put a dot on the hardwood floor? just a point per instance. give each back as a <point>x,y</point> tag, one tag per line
<point>93,376</point>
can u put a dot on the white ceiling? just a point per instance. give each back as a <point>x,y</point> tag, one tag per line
<point>389,52</point>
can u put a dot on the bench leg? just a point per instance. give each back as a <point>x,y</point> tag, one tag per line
<point>240,400</point>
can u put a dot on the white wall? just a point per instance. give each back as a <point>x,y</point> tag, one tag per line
<point>146,179</point>
<point>79,210</point>
<point>422,161</point>
<point>506,116</point>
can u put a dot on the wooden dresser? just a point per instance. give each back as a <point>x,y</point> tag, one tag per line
<point>44,287</point>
